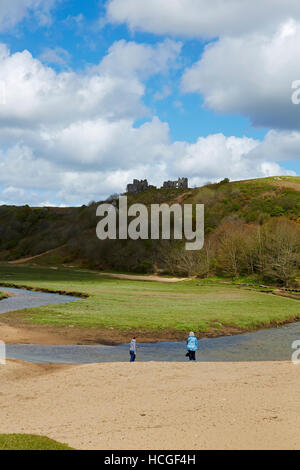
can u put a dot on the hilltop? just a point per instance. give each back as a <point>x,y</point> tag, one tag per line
<point>67,235</point>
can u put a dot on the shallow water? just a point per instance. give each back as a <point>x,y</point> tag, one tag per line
<point>265,345</point>
<point>28,299</point>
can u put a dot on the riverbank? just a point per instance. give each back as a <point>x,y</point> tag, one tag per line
<point>13,329</point>
<point>154,405</point>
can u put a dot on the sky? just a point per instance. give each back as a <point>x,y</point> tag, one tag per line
<point>94,94</point>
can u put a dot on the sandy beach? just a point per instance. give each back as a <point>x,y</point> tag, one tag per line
<point>154,405</point>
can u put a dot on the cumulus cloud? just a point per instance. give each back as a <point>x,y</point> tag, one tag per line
<point>202,18</point>
<point>14,11</point>
<point>251,75</point>
<point>60,130</point>
<point>249,69</point>
<point>216,156</point>
<point>129,58</point>
<point>279,146</point>
<point>36,95</point>
<point>101,143</point>
<point>35,178</point>
<point>68,138</point>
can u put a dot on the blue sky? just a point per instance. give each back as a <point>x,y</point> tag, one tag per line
<point>99,92</point>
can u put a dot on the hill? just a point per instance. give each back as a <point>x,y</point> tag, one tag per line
<point>235,213</point>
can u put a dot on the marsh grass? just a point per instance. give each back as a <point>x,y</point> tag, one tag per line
<point>125,304</point>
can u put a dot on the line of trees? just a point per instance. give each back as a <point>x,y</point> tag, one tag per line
<point>270,251</point>
<point>268,248</point>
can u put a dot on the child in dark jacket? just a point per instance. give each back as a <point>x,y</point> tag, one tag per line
<point>132,349</point>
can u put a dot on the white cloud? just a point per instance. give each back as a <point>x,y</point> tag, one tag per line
<point>129,58</point>
<point>14,11</point>
<point>60,130</point>
<point>251,75</point>
<point>38,96</point>
<point>35,179</point>
<point>215,157</point>
<point>68,138</point>
<point>101,143</point>
<point>202,18</point>
<point>279,146</point>
<point>58,56</point>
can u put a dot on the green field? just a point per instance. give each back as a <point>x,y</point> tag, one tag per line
<point>29,442</point>
<point>199,305</point>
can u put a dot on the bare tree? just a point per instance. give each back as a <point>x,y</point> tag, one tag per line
<point>281,250</point>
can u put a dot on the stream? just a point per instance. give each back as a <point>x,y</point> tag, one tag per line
<point>265,345</point>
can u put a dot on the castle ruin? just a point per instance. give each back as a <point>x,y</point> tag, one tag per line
<point>138,186</point>
<point>142,185</point>
<point>181,183</point>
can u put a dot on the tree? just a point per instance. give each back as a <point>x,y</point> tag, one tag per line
<point>234,253</point>
<point>280,250</point>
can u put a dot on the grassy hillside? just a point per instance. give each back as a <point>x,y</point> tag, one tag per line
<point>254,200</point>
<point>67,235</point>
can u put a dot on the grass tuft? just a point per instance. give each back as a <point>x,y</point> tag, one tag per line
<point>29,442</point>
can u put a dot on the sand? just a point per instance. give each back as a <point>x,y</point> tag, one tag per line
<point>148,277</point>
<point>154,405</point>
<point>32,334</point>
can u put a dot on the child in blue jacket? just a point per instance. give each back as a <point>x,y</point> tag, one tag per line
<point>192,346</point>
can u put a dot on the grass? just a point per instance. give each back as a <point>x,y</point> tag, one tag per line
<point>275,179</point>
<point>2,296</point>
<point>29,442</point>
<point>124,305</point>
